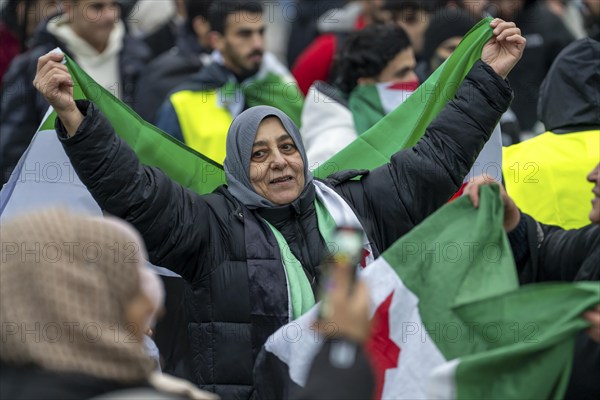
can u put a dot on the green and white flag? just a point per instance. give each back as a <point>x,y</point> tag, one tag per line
<point>44,175</point>
<point>376,146</point>
<point>370,103</point>
<point>275,87</point>
<point>451,320</point>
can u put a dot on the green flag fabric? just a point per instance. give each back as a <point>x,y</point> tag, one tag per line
<point>152,146</point>
<point>450,319</point>
<point>409,121</point>
<point>156,148</point>
<point>372,149</point>
<point>370,103</point>
<point>273,91</point>
<point>502,340</point>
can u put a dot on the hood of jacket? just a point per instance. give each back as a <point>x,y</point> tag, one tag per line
<point>569,98</point>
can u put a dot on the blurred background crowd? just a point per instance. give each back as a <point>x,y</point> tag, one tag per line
<point>142,51</point>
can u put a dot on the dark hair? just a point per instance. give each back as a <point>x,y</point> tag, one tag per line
<point>196,8</point>
<point>220,10</point>
<point>366,53</point>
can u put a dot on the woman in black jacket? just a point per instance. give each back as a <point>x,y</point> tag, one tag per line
<point>250,251</point>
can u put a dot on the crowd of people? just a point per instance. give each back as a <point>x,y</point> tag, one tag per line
<point>270,91</point>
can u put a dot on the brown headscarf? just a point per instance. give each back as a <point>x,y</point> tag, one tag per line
<point>65,283</point>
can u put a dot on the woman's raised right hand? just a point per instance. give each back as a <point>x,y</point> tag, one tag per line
<point>54,82</point>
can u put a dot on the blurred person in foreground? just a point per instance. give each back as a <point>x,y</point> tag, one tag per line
<point>75,306</point>
<point>546,253</point>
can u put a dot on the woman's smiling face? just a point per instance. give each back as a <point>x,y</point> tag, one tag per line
<point>276,166</point>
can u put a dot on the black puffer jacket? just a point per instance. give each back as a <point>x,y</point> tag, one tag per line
<point>237,291</point>
<point>23,108</point>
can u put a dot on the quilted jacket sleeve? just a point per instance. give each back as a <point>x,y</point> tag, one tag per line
<point>173,221</point>
<point>551,253</point>
<point>399,195</point>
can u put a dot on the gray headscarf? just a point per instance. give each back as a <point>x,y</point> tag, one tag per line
<point>240,138</point>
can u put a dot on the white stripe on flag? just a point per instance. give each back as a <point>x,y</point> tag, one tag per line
<point>296,343</point>
<point>46,178</point>
<point>442,384</point>
<point>418,353</point>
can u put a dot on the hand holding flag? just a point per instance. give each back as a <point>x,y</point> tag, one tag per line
<point>54,82</point>
<point>505,48</point>
<point>512,215</point>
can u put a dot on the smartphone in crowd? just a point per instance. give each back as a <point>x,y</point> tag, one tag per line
<point>344,251</point>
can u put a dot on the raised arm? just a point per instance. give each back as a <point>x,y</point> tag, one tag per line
<point>441,160</point>
<point>424,177</point>
<point>173,221</point>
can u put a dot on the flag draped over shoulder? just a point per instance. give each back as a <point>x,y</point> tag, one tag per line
<point>376,146</point>
<point>450,318</point>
